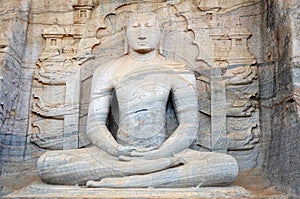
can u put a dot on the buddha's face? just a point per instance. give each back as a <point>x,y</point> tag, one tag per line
<point>143,34</point>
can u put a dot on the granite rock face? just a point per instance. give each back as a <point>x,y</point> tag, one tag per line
<point>244,55</point>
<point>15,82</point>
<point>282,104</point>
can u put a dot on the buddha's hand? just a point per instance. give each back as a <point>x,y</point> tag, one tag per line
<point>144,149</point>
<point>133,152</point>
<point>153,154</point>
<point>125,150</point>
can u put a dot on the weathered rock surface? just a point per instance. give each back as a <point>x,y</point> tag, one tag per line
<point>281,106</point>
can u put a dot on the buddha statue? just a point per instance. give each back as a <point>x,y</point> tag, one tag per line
<point>142,153</point>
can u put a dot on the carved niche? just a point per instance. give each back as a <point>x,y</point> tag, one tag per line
<point>55,97</point>
<point>198,33</point>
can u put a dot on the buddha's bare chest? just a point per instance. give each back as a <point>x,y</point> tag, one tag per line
<point>142,99</point>
<point>143,88</point>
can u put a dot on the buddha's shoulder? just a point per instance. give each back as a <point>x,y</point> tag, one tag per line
<point>169,62</point>
<point>110,66</point>
<point>121,63</point>
<point>172,64</point>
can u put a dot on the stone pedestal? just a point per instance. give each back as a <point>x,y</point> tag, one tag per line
<point>41,190</point>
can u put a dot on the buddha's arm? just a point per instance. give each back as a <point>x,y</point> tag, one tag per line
<point>97,130</point>
<point>186,107</point>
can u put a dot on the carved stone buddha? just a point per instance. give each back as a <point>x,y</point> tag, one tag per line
<point>142,154</point>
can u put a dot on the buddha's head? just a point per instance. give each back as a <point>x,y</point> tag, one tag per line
<point>143,33</point>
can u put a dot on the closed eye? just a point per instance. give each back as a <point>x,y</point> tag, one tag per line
<point>148,24</point>
<point>136,25</point>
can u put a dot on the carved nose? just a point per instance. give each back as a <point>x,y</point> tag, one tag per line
<point>141,38</point>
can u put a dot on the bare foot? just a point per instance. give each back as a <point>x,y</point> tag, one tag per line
<point>106,182</point>
<point>93,184</point>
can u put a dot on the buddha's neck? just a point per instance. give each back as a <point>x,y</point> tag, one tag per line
<point>144,57</point>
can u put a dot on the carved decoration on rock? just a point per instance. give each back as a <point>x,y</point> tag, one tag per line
<point>197,33</point>
<point>55,91</point>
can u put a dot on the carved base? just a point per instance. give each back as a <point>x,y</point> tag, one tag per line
<point>41,190</point>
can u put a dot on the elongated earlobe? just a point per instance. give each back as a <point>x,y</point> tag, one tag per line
<point>160,47</point>
<point>126,48</point>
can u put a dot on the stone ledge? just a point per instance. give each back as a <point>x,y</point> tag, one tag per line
<point>41,190</point>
